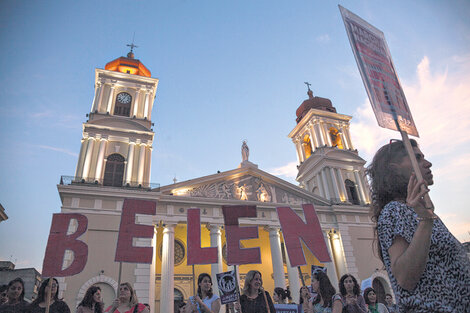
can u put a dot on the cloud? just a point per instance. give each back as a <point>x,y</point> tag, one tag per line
<point>324,38</point>
<point>289,170</point>
<point>440,104</point>
<point>58,150</point>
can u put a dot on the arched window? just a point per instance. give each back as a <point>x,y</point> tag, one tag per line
<point>307,144</point>
<point>114,171</point>
<point>379,290</point>
<point>352,191</point>
<point>122,106</point>
<point>335,138</point>
<point>178,295</point>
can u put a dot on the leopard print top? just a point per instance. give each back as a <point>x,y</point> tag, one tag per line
<point>445,283</point>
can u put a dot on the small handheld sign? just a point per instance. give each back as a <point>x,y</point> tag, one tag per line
<point>228,287</point>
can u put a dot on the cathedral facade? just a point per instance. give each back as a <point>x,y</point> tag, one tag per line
<point>114,164</point>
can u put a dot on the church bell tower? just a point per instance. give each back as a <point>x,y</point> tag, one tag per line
<point>329,166</point>
<point>117,138</point>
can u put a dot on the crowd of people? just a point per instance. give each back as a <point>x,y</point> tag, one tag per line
<point>12,299</point>
<point>428,267</point>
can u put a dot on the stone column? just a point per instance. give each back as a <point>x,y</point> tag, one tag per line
<point>81,159</point>
<point>335,185</point>
<point>100,160</point>
<point>100,98</point>
<point>341,185</point>
<point>95,103</point>
<point>299,150</point>
<point>130,162</point>
<point>294,279</point>
<point>327,135</point>
<point>320,134</point>
<point>325,184</point>
<point>168,264</point>
<point>343,137</point>
<point>302,149</point>
<point>152,272</point>
<point>88,155</point>
<point>146,105</point>
<point>320,185</point>
<point>110,100</point>
<point>276,257</point>
<point>140,173</point>
<point>348,137</point>
<point>312,139</point>
<point>313,135</point>
<point>136,103</point>
<point>359,187</point>
<point>216,241</point>
<point>330,266</point>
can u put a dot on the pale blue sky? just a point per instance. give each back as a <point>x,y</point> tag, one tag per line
<point>228,70</point>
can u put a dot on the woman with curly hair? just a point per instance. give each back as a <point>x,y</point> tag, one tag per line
<point>127,301</point>
<point>56,305</point>
<point>326,301</point>
<point>91,302</point>
<point>351,297</point>
<point>427,266</point>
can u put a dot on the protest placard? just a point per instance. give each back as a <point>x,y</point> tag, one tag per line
<point>228,287</point>
<point>378,74</point>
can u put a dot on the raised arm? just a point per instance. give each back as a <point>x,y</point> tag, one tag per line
<point>408,260</point>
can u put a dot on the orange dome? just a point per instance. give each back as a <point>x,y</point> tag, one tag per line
<point>128,65</point>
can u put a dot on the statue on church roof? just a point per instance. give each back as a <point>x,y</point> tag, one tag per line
<point>245,151</point>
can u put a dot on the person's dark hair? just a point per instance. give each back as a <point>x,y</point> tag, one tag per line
<point>288,295</point>
<point>385,183</point>
<point>42,292</point>
<point>301,300</point>
<point>17,280</point>
<point>3,288</point>
<point>387,294</point>
<point>88,300</point>
<point>281,293</point>
<point>199,280</point>
<point>327,291</point>
<point>366,292</point>
<point>342,289</point>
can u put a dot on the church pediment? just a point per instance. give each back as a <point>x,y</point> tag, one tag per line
<point>255,185</point>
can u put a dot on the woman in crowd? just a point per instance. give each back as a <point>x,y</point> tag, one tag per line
<point>127,301</point>
<point>305,300</point>
<point>279,295</point>
<point>371,299</point>
<point>55,305</point>
<point>326,300</point>
<point>391,307</point>
<point>254,299</point>
<point>15,295</point>
<point>91,302</point>
<point>351,297</point>
<point>205,300</point>
<point>3,294</point>
<point>421,256</point>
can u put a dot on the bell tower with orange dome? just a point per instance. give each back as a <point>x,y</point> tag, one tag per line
<point>117,137</point>
<point>329,166</point>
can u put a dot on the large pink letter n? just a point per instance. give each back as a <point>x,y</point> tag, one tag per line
<point>294,229</point>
